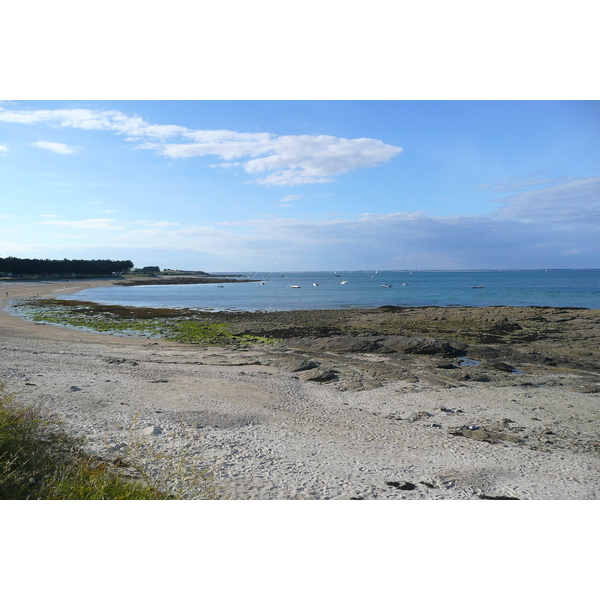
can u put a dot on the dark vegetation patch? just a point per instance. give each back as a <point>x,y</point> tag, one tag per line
<point>181,325</point>
<point>567,337</point>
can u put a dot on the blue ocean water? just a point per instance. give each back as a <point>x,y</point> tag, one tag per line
<point>365,289</point>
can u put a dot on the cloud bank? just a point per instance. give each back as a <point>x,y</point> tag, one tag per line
<point>573,203</point>
<point>525,232</point>
<point>286,160</point>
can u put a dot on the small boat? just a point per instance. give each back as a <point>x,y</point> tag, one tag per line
<point>385,285</point>
<point>344,282</point>
<point>294,286</point>
<point>477,287</point>
<point>316,284</point>
<point>407,284</point>
<point>262,283</point>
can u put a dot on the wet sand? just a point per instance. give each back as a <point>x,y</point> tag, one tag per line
<point>427,403</point>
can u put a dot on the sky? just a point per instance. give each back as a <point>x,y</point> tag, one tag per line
<point>247,185</point>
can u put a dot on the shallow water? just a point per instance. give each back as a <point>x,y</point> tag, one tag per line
<point>364,289</point>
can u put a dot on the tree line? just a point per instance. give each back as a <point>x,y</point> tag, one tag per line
<point>31,267</point>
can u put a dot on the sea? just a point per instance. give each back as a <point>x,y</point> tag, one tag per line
<point>365,289</point>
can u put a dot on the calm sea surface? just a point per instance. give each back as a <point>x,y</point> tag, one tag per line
<point>364,289</point>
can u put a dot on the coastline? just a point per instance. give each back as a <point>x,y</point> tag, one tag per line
<point>337,411</point>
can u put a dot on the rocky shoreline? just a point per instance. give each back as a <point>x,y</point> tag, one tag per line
<point>388,403</point>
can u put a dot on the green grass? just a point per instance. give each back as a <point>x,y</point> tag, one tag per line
<point>39,460</point>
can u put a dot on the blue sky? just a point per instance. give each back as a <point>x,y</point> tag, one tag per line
<point>303,185</point>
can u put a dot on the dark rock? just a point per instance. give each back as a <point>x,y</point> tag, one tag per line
<point>436,381</point>
<point>303,365</point>
<point>445,365</point>
<point>120,361</point>
<point>394,417</point>
<point>353,344</point>
<point>422,414</point>
<point>501,366</point>
<point>481,435</point>
<point>507,437</point>
<point>74,388</point>
<point>481,377</point>
<point>476,434</point>
<point>588,388</point>
<point>486,497</point>
<point>318,375</point>
<point>401,486</point>
<point>424,346</point>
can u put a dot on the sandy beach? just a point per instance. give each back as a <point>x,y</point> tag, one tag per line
<point>383,412</point>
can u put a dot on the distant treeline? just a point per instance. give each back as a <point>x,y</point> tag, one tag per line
<point>31,267</point>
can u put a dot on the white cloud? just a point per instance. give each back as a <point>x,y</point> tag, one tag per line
<point>292,159</point>
<point>576,202</point>
<point>3,148</point>
<point>292,177</point>
<point>56,147</point>
<point>288,200</point>
<point>86,224</point>
<point>284,160</point>
<point>157,223</point>
<point>108,120</point>
<point>50,216</point>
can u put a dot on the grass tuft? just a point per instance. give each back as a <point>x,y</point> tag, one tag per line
<point>39,460</point>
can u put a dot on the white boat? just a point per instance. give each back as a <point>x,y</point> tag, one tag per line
<point>262,283</point>
<point>316,284</point>
<point>385,285</point>
<point>407,284</point>
<point>294,286</point>
<point>344,282</point>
